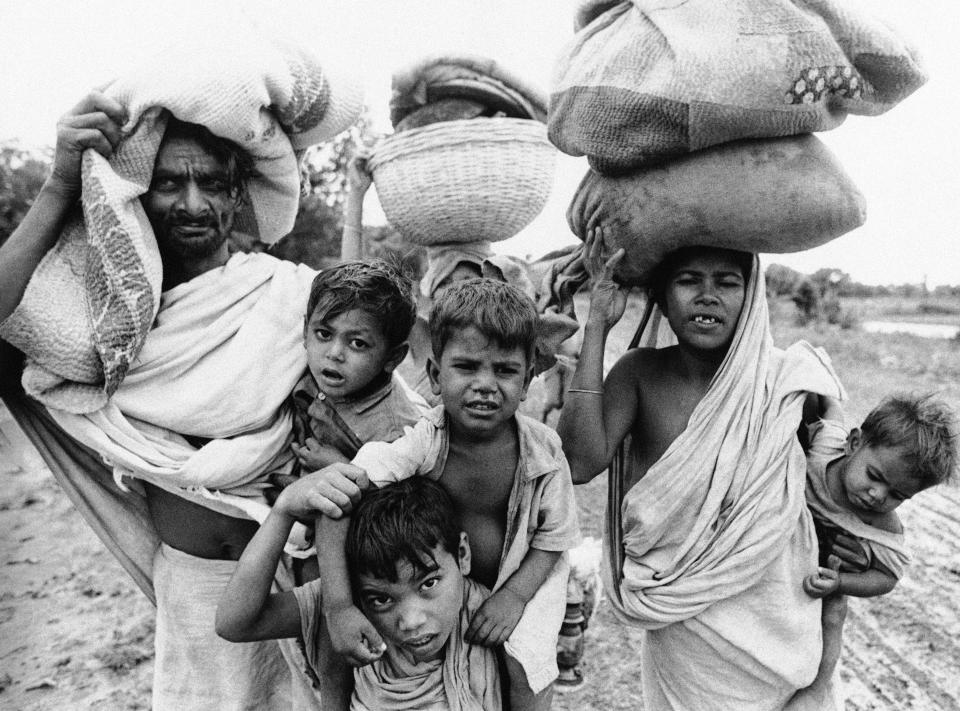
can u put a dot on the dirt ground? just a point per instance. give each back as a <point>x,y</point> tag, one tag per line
<point>76,633</point>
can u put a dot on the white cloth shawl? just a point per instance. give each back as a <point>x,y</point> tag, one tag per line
<point>225,353</point>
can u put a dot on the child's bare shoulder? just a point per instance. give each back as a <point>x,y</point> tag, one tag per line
<point>888,522</point>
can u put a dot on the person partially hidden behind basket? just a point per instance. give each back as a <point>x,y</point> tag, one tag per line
<point>708,539</point>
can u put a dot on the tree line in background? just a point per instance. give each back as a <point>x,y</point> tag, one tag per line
<point>315,238</point>
<point>818,296</point>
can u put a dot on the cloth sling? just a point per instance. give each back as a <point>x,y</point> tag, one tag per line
<point>93,298</point>
<point>707,551</point>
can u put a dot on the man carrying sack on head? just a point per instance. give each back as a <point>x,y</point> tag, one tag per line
<point>157,362</point>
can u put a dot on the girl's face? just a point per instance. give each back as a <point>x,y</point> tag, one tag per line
<point>703,299</point>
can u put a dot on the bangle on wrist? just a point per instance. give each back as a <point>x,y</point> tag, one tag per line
<point>585,390</point>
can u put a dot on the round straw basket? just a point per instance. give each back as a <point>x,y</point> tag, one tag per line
<point>464,181</point>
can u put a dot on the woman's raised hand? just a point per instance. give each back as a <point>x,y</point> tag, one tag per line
<point>608,299</point>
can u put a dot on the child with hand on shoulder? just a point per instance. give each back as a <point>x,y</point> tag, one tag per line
<point>359,315</point>
<point>857,480</point>
<point>506,474</point>
<point>408,562</point>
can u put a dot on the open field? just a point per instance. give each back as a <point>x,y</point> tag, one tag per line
<point>934,309</point>
<point>75,633</point>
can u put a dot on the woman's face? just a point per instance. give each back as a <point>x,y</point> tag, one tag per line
<point>703,299</point>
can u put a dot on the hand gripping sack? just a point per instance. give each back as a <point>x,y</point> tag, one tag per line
<point>647,80</point>
<point>771,195</point>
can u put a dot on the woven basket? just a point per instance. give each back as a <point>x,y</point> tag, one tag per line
<point>464,181</point>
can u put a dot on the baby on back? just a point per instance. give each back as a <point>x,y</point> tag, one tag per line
<point>856,480</point>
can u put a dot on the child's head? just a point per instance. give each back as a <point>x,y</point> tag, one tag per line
<point>407,558</point>
<point>483,334</point>
<point>905,445</point>
<point>359,316</point>
<point>701,291</point>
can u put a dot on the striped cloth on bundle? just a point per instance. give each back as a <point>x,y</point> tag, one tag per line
<point>646,80</point>
<point>93,298</point>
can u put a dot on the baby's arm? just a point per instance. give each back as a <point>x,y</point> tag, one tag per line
<point>596,416</point>
<point>498,615</point>
<point>876,580</point>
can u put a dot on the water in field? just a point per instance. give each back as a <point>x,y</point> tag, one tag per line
<point>926,330</point>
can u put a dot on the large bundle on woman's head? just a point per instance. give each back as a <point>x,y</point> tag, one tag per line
<point>647,80</point>
<point>764,195</point>
<point>470,160</point>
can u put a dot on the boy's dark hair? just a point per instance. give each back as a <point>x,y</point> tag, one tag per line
<point>923,427</point>
<point>240,166</point>
<point>375,287</point>
<point>500,311</point>
<point>661,274</point>
<point>401,522</point>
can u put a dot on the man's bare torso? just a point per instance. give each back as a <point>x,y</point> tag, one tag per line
<point>196,530</point>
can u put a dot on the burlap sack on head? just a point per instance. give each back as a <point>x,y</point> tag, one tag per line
<point>646,80</point>
<point>761,195</point>
<point>94,296</point>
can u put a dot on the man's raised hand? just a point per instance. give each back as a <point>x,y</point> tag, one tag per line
<point>94,123</point>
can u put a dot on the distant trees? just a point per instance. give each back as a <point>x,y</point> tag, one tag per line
<point>22,172</point>
<point>781,280</point>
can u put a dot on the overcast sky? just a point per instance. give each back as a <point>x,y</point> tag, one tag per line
<point>906,162</point>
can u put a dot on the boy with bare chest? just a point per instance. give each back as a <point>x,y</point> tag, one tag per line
<point>505,472</point>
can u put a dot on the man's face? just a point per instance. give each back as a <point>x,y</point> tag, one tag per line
<point>190,204</point>
<point>418,612</point>
<point>703,300</point>
<point>480,382</point>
